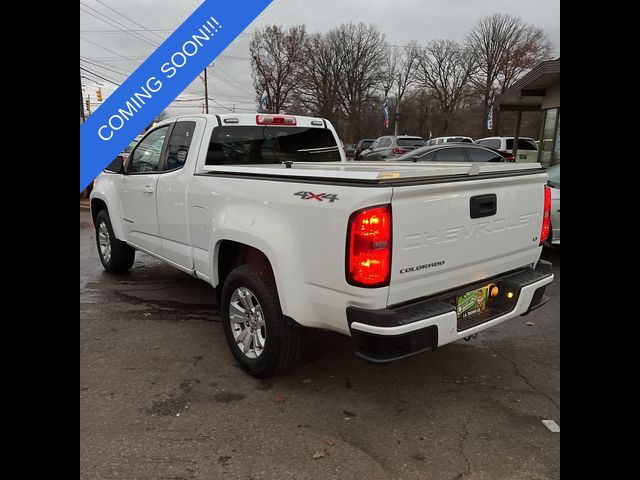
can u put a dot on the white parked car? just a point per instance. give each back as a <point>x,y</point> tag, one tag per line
<point>265,208</point>
<point>527,148</point>
<point>554,184</point>
<point>452,139</point>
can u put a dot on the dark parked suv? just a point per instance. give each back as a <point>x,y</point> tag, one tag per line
<point>392,146</point>
<point>362,145</point>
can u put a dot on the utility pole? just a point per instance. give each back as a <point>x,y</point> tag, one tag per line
<point>395,116</point>
<point>81,102</point>
<point>206,92</point>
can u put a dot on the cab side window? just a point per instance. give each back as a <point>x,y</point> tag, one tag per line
<point>146,156</point>
<point>178,146</point>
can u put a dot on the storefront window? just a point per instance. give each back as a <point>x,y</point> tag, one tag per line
<point>556,154</point>
<point>547,157</point>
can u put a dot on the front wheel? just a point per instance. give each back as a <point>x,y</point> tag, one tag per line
<point>261,339</point>
<point>116,256</point>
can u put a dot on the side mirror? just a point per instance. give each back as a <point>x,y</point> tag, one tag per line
<point>117,166</point>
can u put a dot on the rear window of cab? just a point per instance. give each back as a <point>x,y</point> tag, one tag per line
<point>250,145</point>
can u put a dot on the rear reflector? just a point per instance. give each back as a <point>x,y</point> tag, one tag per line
<point>546,216</point>
<point>275,120</point>
<point>369,247</point>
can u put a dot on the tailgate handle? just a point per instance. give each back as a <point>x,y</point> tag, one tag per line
<point>483,205</point>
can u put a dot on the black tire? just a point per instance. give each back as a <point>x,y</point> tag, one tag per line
<point>121,256</point>
<point>284,341</point>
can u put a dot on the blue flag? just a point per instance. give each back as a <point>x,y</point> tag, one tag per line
<point>264,100</point>
<point>385,109</point>
<point>160,79</point>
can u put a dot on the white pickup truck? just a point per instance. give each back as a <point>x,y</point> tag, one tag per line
<point>403,258</point>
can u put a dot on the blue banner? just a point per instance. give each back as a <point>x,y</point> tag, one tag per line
<point>385,111</point>
<point>160,79</point>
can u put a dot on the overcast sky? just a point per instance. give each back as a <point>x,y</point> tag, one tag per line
<point>108,52</point>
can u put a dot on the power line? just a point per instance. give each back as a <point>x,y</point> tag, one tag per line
<point>127,29</point>
<point>217,75</point>
<point>231,78</point>
<point>108,68</point>
<point>117,24</point>
<point>104,48</point>
<point>199,99</point>
<point>99,76</point>
<point>129,18</point>
<point>142,57</point>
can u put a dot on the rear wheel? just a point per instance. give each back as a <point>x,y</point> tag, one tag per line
<point>116,256</point>
<point>261,339</point>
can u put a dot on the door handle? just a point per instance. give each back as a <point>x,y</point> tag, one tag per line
<point>483,205</point>
<point>147,189</point>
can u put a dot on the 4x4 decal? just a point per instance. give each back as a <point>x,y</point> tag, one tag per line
<point>332,197</point>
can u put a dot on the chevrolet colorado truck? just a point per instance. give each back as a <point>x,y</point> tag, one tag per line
<point>265,208</point>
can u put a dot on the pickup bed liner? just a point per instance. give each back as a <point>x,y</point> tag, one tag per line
<point>373,173</point>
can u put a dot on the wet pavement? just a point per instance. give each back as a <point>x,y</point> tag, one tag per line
<point>161,397</point>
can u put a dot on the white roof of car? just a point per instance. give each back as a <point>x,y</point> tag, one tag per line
<point>505,138</point>
<point>450,136</point>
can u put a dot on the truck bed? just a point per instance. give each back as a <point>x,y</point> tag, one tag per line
<point>386,173</point>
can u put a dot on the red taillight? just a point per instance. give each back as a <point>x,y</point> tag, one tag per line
<point>398,150</point>
<point>369,247</point>
<point>510,158</point>
<point>275,120</point>
<point>546,216</point>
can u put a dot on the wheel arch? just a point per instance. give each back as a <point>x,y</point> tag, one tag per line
<point>229,254</point>
<point>98,202</point>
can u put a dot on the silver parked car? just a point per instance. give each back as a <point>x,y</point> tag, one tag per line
<point>554,184</point>
<point>391,146</point>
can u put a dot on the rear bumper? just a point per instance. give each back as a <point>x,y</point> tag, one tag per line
<point>400,331</point>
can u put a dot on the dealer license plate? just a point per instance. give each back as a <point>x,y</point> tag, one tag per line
<point>472,302</point>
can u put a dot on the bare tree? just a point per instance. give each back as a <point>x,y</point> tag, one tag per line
<point>407,73</point>
<point>445,67</point>
<point>389,73</point>
<point>276,62</point>
<point>360,57</point>
<point>528,48</point>
<point>317,90</point>
<point>503,47</point>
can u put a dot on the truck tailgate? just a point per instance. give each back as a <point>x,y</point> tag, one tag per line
<point>437,245</point>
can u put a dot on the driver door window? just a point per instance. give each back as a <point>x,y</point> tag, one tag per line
<point>146,156</point>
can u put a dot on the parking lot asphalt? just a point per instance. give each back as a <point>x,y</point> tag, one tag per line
<point>161,397</point>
